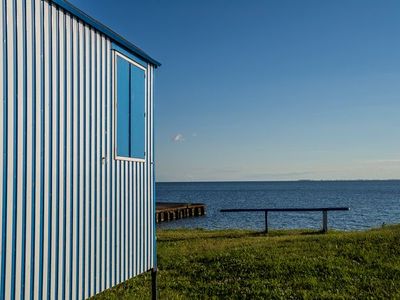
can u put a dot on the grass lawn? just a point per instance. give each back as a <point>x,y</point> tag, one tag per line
<point>232,264</point>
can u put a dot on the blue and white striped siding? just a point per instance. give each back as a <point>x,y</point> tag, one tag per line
<point>73,220</point>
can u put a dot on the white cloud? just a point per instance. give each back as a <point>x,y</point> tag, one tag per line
<point>178,138</point>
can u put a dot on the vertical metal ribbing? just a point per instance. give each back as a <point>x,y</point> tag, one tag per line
<point>25,160</point>
<point>60,287</point>
<point>121,201</point>
<point>74,158</point>
<point>42,153</point>
<point>153,164</point>
<point>8,150</point>
<point>121,219</point>
<point>103,165</point>
<point>122,222</point>
<point>81,201</point>
<point>140,217</point>
<point>134,207</point>
<point>148,171</point>
<point>48,201</point>
<point>52,293</point>
<point>2,118</point>
<point>37,149</point>
<point>145,200</point>
<point>29,241</point>
<point>63,156</point>
<point>33,102</point>
<point>47,124</point>
<point>146,174</point>
<point>51,152</point>
<point>78,171</point>
<point>126,215</point>
<point>14,133</point>
<point>135,220</point>
<point>5,149</point>
<point>136,186</point>
<point>3,143</point>
<point>98,161</point>
<point>112,175</point>
<point>68,157</point>
<point>149,166</point>
<point>92,160</point>
<point>116,190</point>
<point>83,128</point>
<point>145,186</point>
<point>127,218</point>
<point>126,222</point>
<point>72,224</point>
<point>95,165</point>
<point>21,150</point>
<point>143,218</point>
<point>130,236</point>
<point>117,221</point>
<point>139,238</point>
<point>109,159</point>
<point>87,164</point>
<point>152,161</point>
<point>120,165</point>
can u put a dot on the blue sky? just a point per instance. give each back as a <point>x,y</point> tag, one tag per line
<point>269,90</point>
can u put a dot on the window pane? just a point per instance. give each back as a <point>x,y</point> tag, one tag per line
<point>137,112</point>
<point>123,108</point>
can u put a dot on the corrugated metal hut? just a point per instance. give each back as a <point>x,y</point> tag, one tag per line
<point>76,162</point>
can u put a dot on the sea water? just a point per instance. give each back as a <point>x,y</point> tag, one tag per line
<point>372,203</point>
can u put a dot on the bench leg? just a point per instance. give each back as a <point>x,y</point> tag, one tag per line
<point>154,294</point>
<point>324,221</point>
<point>266,221</point>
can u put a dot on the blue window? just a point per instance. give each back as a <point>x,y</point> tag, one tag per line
<point>130,93</point>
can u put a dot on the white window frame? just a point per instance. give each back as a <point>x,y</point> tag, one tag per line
<point>114,75</point>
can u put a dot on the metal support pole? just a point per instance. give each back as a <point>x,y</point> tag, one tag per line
<point>324,221</point>
<point>266,221</point>
<point>154,295</point>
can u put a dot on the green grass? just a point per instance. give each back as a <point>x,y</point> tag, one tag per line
<point>232,264</point>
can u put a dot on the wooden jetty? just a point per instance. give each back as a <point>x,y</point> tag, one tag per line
<point>168,211</point>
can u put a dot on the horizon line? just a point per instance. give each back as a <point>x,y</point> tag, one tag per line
<point>296,180</point>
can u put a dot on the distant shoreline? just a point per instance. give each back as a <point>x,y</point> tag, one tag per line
<point>277,181</point>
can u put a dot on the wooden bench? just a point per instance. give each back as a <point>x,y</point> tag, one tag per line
<point>266,210</point>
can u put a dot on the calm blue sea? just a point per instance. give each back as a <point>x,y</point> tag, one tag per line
<point>372,203</point>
